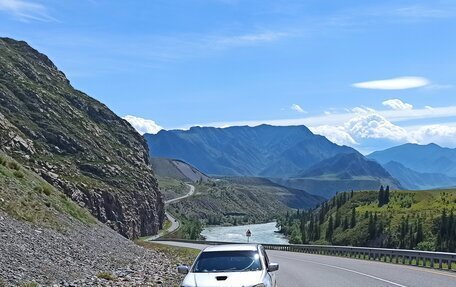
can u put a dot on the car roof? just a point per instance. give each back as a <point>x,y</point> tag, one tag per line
<point>232,247</point>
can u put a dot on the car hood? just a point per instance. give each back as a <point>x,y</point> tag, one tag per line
<point>233,279</point>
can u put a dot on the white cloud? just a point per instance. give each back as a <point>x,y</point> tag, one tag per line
<point>374,126</point>
<point>143,125</point>
<point>397,104</point>
<point>25,10</point>
<point>400,83</point>
<point>296,107</point>
<point>335,134</point>
<point>441,134</point>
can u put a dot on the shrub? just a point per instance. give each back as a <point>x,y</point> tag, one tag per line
<point>46,189</point>
<point>426,245</point>
<point>106,276</point>
<point>13,165</point>
<point>2,283</point>
<point>29,284</point>
<point>2,162</point>
<point>18,174</point>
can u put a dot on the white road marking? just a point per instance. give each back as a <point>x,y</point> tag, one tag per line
<point>345,269</point>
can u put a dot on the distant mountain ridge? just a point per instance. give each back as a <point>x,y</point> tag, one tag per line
<point>430,158</point>
<point>415,180</point>
<point>343,172</point>
<point>346,166</point>
<point>245,151</point>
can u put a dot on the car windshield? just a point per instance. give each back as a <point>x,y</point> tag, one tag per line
<point>227,261</point>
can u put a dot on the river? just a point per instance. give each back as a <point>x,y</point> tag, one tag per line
<point>261,233</point>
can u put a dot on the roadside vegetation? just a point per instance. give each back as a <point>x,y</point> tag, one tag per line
<point>179,255</point>
<point>25,196</point>
<point>423,220</point>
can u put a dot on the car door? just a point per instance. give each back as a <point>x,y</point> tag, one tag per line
<point>271,275</point>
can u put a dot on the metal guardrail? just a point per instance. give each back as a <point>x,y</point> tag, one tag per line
<point>425,259</point>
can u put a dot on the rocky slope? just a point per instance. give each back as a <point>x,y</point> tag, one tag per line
<point>176,169</point>
<point>79,257</point>
<point>47,238</point>
<point>75,142</point>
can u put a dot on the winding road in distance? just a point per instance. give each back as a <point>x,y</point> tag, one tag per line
<point>174,222</point>
<point>310,270</point>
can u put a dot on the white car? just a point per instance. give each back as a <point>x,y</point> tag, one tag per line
<point>233,265</point>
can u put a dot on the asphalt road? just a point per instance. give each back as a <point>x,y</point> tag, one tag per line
<point>309,270</point>
<point>174,222</point>
<point>190,193</point>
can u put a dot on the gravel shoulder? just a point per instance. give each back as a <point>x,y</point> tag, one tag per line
<point>79,256</point>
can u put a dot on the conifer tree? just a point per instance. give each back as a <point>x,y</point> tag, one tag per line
<point>353,218</point>
<point>330,230</point>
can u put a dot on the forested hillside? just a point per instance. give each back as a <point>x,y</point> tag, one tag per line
<point>422,220</point>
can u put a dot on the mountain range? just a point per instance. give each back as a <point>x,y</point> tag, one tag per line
<point>419,166</point>
<point>289,155</point>
<point>245,151</point>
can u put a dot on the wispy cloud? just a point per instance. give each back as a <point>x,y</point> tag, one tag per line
<point>245,39</point>
<point>297,108</point>
<point>25,10</point>
<point>397,104</point>
<point>421,12</point>
<point>400,83</point>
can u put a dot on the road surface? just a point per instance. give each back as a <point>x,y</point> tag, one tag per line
<point>309,270</point>
<point>174,222</point>
<point>190,193</point>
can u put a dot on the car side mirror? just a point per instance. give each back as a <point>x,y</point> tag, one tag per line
<point>183,270</point>
<point>273,267</point>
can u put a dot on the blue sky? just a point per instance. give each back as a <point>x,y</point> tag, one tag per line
<point>226,62</point>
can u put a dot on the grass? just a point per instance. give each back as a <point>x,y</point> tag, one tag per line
<point>29,284</point>
<point>180,255</point>
<point>167,224</point>
<point>106,275</point>
<point>26,196</point>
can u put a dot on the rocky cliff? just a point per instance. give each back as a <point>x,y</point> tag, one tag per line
<point>75,142</point>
